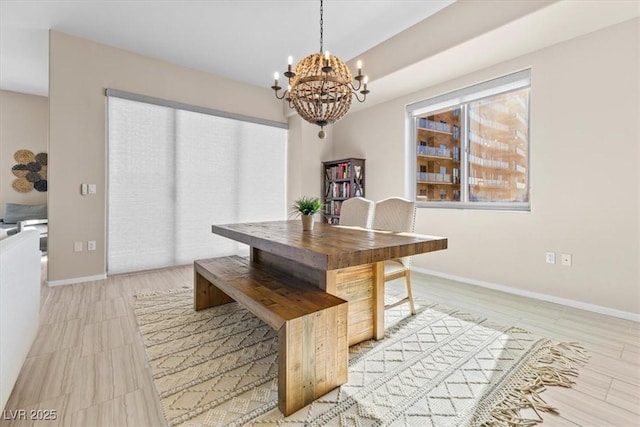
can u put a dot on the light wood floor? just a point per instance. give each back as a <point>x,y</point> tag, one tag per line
<point>88,363</point>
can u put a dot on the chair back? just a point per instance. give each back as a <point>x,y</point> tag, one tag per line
<point>357,212</point>
<point>395,214</point>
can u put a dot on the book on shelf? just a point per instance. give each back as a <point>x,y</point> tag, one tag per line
<point>339,171</point>
<point>333,207</point>
<point>339,190</point>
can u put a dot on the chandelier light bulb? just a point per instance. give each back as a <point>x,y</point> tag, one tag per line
<point>276,76</point>
<point>326,55</point>
<point>290,60</point>
<point>359,65</point>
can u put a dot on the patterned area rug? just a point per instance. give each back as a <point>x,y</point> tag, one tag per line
<point>218,367</point>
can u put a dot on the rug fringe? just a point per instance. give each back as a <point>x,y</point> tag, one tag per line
<point>553,364</point>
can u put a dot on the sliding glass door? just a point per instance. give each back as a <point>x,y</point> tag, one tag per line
<point>173,173</point>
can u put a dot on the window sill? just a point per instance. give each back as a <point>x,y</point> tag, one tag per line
<point>495,206</point>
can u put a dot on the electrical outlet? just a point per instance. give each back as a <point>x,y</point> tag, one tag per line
<point>77,246</point>
<point>92,189</point>
<point>91,245</point>
<point>550,257</point>
<point>566,260</point>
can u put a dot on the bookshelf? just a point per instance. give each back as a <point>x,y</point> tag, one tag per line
<point>341,180</point>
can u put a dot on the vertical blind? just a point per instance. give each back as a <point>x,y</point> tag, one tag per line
<point>173,173</point>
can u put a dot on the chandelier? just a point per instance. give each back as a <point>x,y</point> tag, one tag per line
<point>321,87</point>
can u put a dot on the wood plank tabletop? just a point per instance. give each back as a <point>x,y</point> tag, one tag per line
<point>329,247</point>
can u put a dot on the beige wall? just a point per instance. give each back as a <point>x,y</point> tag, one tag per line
<point>305,152</point>
<point>585,182</point>
<point>24,124</point>
<point>436,33</point>
<point>79,72</point>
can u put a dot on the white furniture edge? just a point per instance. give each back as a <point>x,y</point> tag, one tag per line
<point>20,261</point>
<point>635,317</point>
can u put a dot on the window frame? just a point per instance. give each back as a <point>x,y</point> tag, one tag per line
<point>461,98</point>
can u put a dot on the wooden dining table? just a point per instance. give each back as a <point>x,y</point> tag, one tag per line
<point>347,262</point>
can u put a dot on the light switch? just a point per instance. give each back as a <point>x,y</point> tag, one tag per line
<point>92,189</point>
<point>83,189</point>
<point>77,246</point>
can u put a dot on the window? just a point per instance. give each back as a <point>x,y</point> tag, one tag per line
<point>173,173</point>
<point>470,148</point>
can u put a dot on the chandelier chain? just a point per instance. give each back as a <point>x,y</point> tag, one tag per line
<point>321,25</point>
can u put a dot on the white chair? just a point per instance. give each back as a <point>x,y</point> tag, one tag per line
<point>357,212</point>
<point>397,214</point>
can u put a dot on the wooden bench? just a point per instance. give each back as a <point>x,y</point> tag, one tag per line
<point>312,325</point>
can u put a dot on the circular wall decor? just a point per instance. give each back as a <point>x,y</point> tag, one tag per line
<point>24,156</point>
<point>21,185</point>
<point>20,170</point>
<point>42,158</point>
<point>40,185</point>
<point>31,171</point>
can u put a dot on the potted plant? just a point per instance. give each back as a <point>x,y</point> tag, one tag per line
<point>306,207</point>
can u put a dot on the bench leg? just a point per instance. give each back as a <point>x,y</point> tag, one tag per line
<point>206,295</point>
<point>313,357</point>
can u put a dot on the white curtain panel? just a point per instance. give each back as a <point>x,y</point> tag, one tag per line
<point>173,173</point>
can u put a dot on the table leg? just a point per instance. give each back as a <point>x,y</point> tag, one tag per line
<point>362,286</point>
<point>205,295</point>
<point>378,297</point>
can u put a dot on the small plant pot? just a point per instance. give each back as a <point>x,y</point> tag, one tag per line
<point>307,222</point>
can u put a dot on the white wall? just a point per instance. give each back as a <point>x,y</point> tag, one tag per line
<point>585,184</point>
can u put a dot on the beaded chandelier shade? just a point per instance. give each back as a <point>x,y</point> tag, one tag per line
<point>321,98</point>
<point>321,87</point>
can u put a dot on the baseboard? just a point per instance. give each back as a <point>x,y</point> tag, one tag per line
<point>535,295</point>
<point>75,280</point>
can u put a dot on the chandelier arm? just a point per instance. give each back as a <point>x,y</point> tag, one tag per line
<point>284,94</point>
<point>364,96</point>
<point>355,89</point>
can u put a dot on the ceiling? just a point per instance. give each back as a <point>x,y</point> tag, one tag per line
<point>245,40</point>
